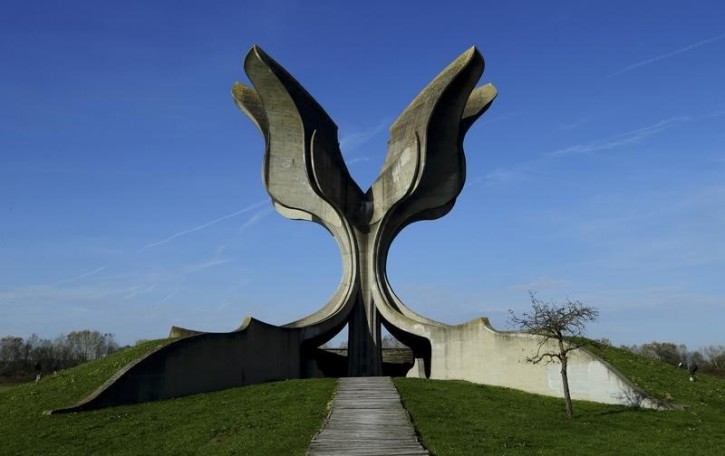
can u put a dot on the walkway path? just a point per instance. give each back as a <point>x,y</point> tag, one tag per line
<point>367,419</point>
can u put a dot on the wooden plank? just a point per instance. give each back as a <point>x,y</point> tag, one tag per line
<point>367,419</point>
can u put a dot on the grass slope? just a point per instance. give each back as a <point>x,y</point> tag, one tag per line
<point>460,418</point>
<point>269,419</point>
<point>452,417</point>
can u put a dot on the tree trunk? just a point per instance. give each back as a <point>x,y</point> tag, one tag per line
<point>565,382</point>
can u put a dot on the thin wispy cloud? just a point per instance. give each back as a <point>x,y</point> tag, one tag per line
<point>72,293</point>
<point>514,174</point>
<point>49,287</point>
<point>251,221</point>
<point>500,175</point>
<point>141,290</point>
<point>254,219</point>
<point>665,56</point>
<point>613,228</point>
<point>621,140</point>
<point>168,297</point>
<point>710,115</point>
<point>352,141</point>
<point>127,292</point>
<point>207,264</point>
<point>79,277</point>
<point>502,117</point>
<point>203,225</point>
<point>574,125</point>
<point>521,171</point>
<point>357,160</point>
<point>542,283</point>
<point>130,292</point>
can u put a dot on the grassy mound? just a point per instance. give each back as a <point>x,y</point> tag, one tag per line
<point>273,418</point>
<point>460,418</point>
<point>452,417</point>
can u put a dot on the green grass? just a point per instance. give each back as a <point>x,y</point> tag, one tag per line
<point>452,417</point>
<point>460,418</point>
<point>268,419</point>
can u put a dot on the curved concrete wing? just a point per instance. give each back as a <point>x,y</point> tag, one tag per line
<point>307,179</point>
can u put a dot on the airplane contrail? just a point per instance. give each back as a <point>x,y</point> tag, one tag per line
<point>79,277</point>
<point>203,225</point>
<point>666,56</point>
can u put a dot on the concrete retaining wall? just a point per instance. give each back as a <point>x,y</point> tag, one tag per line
<point>477,353</point>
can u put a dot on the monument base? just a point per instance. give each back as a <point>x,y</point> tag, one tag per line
<point>194,362</point>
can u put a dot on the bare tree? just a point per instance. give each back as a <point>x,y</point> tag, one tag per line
<point>715,355</point>
<point>87,345</point>
<point>667,352</point>
<point>11,349</point>
<point>389,341</point>
<point>18,357</point>
<point>557,322</point>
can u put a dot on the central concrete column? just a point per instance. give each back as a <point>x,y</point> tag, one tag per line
<point>363,345</point>
<point>363,342</point>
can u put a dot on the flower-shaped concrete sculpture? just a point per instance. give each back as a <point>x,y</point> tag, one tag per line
<point>307,179</point>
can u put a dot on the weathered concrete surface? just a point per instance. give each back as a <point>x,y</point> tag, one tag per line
<point>306,178</point>
<point>423,174</point>
<point>477,353</point>
<point>367,418</point>
<point>203,362</point>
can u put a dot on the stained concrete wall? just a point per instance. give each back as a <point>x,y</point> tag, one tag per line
<point>477,353</point>
<point>257,353</point>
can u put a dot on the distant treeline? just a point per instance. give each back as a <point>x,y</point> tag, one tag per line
<point>20,358</point>
<point>710,359</point>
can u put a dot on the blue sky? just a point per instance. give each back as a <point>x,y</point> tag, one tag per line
<point>130,186</point>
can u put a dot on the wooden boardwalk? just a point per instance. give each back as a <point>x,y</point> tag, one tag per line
<point>367,419</point>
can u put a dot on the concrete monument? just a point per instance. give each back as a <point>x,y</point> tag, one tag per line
<point>306,178</point>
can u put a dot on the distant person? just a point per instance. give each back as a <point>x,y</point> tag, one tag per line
<point>55,369</point>
<point>692,369</point>
<point>38,370</point>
